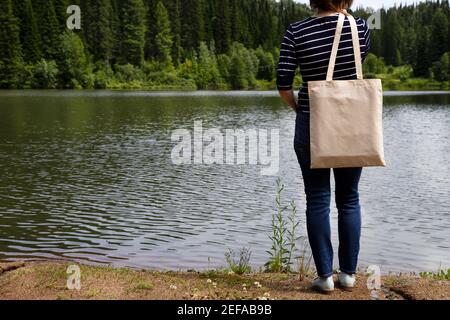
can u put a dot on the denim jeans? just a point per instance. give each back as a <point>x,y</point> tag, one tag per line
<point>318,197</point>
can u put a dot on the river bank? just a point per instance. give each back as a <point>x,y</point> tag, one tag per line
<point>48,281</point>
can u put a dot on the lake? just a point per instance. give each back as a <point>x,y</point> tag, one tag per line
<point>88,176</point>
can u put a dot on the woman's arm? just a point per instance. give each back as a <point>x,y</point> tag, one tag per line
<point>287,65</point>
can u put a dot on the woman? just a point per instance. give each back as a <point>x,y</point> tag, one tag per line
<point>308,44</point>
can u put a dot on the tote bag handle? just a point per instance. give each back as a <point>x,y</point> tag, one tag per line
<point>356,47</point>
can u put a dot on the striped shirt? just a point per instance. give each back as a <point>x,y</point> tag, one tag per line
<point>307,44</point>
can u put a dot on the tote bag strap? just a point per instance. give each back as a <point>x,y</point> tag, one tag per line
<point>356,47</point>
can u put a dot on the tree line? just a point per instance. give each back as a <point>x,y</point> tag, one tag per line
<point>193,44</point>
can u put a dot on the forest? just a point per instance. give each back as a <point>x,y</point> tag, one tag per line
<point>199,44</point>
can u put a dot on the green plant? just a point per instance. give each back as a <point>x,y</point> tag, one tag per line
<point>440,274</point>
<point>284,235</point>
<point>304,261</point>
<point>241,265</point>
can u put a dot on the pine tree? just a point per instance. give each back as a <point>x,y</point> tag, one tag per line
<point>222,26</point>
<point>392,39</point>
<point>29,36</point>
<point>10,48</point>
<point>163,38</point>
<point>132,31</point>
<point>98,28</point>
<point>173,8</point>
<point>439,34</point>
<point>48,28</point>
<point>192,24</point>
<point>61,12</point>
<point>423,59</point>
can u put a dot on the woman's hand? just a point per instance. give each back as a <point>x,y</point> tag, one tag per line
<point>289,97</point>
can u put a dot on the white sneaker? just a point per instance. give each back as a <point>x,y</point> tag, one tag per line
<point>324,285</point>
<point>346,281</point>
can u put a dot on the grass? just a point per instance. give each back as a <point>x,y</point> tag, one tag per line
<point>240,265</point>
<point>440,274</point>
<point>31,281</point>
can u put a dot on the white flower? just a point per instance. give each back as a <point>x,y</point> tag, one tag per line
<point>208,281</point>
<point>267,294</point>
<point>257,284</point>
<point>214,284</point>
<point>231,272</point>
<point>173,287</point>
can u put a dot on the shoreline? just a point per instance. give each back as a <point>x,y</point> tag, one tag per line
<point>47,280</point>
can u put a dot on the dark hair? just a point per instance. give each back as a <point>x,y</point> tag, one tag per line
<point>330,5</point>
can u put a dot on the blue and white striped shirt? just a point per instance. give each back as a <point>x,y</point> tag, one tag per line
<point>308,44</point>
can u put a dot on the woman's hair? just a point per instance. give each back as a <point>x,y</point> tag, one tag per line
<point>331,5</point>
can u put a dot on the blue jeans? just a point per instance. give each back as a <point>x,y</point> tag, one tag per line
<point>318,197</point>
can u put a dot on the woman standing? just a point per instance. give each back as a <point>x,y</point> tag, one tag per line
<point>308,44</point>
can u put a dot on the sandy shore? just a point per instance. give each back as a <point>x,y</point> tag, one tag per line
<point>48,281</point>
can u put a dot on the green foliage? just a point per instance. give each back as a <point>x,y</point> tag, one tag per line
<point>239,265</point>
<point>373,66</point>
<point>132,32</point>
<point>29,36</point>
<point>284,235</point>
<point>244,67</point>
<point>48,27</point>
<point>10,48</point>
<point>167,41</point>
<point>74,69</point>
<point>45,75</point>
<point>440,274</point>
<point>266,64</point>
<point>207,73</point>
<point>98,28</point>
<point>441,68</point>
<point>163,37</point>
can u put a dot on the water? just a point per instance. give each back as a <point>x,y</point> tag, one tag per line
<point>88,176</point>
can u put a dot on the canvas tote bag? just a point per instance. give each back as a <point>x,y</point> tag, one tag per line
<point>346,116</point>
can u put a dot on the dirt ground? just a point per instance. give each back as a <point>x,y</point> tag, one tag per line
<point>48,281</point>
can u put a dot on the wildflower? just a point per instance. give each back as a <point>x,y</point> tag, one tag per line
<point>257,284</point>
<point>208,281</point>
<point>231,272</point>
<point>173,287</point>
<point>267,295</point>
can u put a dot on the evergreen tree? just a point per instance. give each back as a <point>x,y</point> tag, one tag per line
<point>439,34</point>
<point>48,27</point>
<point>163,38</point>
<point>222,26</point>
<point>132,31</point>
<point>392,39</point>
<point>423,59</point>
<point>173,7</point>
<point>10,49</point>
<point>61,12</point>
<point>98,28</point>
<point>192,24</point>
<point>29,36</point>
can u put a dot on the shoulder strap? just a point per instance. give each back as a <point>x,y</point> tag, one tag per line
<point>337,40</point>
<point>356,47</point>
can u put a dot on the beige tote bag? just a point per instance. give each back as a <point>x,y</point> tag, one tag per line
<point>346,115</point>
